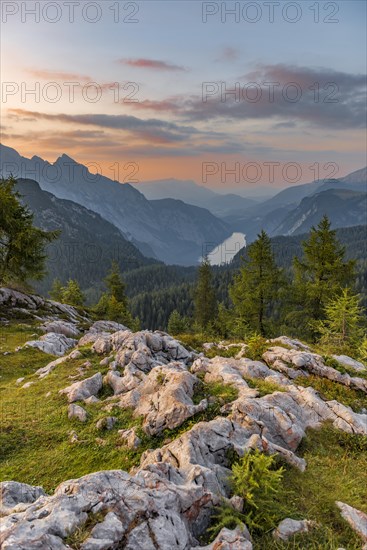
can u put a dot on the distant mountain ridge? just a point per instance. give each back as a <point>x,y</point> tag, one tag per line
<point>274,214</point>
<point>197,195</point>
<point>87,243</point>
<point>169,230</point>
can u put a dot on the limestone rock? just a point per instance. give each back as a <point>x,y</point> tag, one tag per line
<point>356,519</point>
<point>83,389</point>
<point>129,438</point>
<point>13,495</point>
<point>106,423</point>
<point>76,411</point>
<point>61,327</point>
<point>289,527</point>
<point>164,398</point>
<point>350,363</point>
<point>313,364</point>
<point>52,343</point>
<point>237,539</point>
<point>144,511</point>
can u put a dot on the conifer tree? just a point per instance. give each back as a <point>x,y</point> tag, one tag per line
<point>22,245</point>
<point>321,273</point>
<point>71,294</point>
<point>56,290</point>
<point>205,301</point>
<point>342,331</point>
<point>113,304</point>
<point>176,323</point>
<point>256,286</point>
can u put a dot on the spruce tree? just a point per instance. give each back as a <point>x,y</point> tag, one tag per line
<point>113,304</point>
<point>56,290</point>
<point>176,323</point>
<point>22,245</point>
<point>321,273</point>
<point>205,301</point>
<point>71,294</point>
<point>256,287</point>
<point>342,331</point>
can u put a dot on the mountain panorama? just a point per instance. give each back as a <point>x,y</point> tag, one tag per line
<point>180,369</point>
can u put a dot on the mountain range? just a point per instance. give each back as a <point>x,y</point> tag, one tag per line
<point>166,219</point>
<point>198,195</point>
<point>169,230</point>
<point>87,243</point>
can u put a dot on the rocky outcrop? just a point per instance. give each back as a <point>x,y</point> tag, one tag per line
<point>61,327</point>
<point>83,389</point>
<point>52,343</point>
<point>142,511</point>
<point>13,302</point>
<point>16,496</point>
<point>311,363</point>
<point>166,503</point>
<point>350,363</point>
<point>163,397</point>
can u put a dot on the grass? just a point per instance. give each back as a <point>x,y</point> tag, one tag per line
<point>76,539</point>
<point>264,387</point>
<point>215,350</point>
<point>35,443</point>
<point>336,470</point>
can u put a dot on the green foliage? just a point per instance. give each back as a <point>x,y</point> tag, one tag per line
<point>362,352</point>
<point>257,482</point>
<point>256,286</point>
<point>319,275</point>
<point>264,387</point>
<point>113,304</point>
<point>341,331</point>
<point>255,479</point>
<point>257,345</point>
<point>71,294</point>
<point>205,299</point>
<point>76,539</point>
<point>176,323</point>
<point>22,245</point>
<point>56,290</point>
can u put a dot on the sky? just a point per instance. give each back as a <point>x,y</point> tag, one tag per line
<point>228,94</point>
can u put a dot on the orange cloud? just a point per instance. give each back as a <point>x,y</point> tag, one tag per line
<point>151,64</point>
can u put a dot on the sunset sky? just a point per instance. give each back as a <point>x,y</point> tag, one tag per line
<point>162,61</point>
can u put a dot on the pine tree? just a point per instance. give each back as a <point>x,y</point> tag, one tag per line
<point>321,273</point>
<point>56,290</point>
<point>205,301</point>
<point>115,284</point>
<point>256,287</point>
<point>176,323</point>
<point>342,331</point>
<point>22,245</point>
<point>113,304</point>
<point>71,294</point>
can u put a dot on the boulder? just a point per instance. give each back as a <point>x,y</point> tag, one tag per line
<point>350,363</point>
<point>83,389</point>
<point>61,327</point>
<point>52,343</point>
<point>289,527</point>
<point>76,411</point>
<point>356,519</point>
<point>106,423</point>
<point>236,539</point>
<point>129,438</point>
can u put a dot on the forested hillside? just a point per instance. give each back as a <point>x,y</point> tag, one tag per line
<point>171,287</point>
